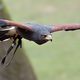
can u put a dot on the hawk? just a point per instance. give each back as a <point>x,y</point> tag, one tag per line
<point>40,34</point>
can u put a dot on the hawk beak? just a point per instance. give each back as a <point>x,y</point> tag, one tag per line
<point>48,38</point>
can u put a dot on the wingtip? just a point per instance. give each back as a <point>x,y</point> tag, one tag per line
<point>65,27</point>
<point>16,24</point>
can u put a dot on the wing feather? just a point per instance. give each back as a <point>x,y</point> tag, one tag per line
<point>13,23</point>
<point>65,27</point>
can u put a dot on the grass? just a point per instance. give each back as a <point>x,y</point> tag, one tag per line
<point>59,60</point>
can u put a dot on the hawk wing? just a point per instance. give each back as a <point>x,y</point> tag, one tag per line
<point>65,27</point>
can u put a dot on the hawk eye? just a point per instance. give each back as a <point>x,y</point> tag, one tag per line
<point>43,36</point>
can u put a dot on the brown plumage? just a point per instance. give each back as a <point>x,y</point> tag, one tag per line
<point>65,27</point>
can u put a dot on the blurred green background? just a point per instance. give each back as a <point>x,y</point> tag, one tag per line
<point>59,60</point>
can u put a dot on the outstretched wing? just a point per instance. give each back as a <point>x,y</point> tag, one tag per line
<point>65,27</point>
<point>4,23</point>
<point>7,29</point>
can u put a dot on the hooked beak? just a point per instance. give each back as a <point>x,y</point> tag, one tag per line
<point>48,38</point>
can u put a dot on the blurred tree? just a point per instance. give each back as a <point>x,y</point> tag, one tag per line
<point>20,68</point>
